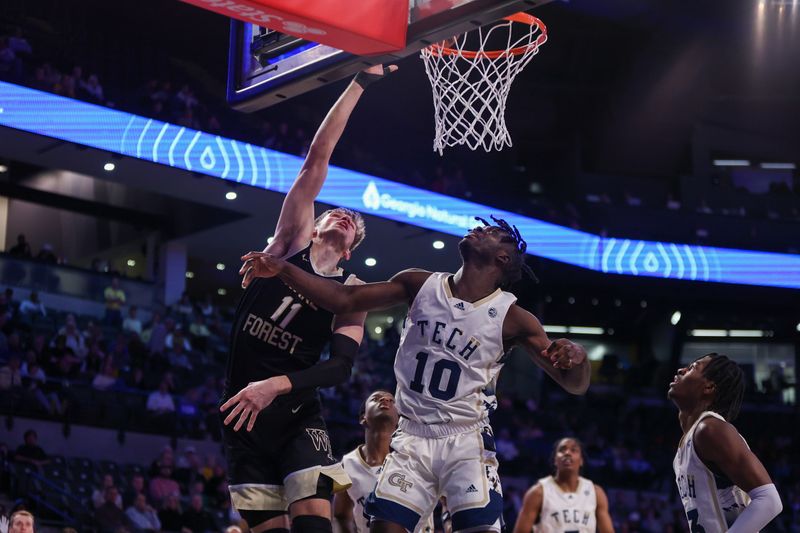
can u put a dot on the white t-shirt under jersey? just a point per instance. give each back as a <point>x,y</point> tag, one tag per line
<point>364,478</point>
<point>450,355</point>
<point>567,512</point>
<point>711,502</point>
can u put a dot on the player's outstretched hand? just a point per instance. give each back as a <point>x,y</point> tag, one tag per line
<point>370,75</point>
<point>3,524</point>
<point>564,354</point>
<point>250,401</point>
<point>259,265</point>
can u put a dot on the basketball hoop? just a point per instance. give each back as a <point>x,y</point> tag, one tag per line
<point>470,87</point>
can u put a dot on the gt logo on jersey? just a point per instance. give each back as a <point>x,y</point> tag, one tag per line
<point>399,480</point>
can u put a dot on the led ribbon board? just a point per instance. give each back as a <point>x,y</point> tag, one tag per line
<point>160,142</point>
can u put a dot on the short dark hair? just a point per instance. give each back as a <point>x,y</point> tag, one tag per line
<point>29,432</point>
<point>555,450</point>
<point>358,220</point>
<point>362,410</point>
<point>728,379</point>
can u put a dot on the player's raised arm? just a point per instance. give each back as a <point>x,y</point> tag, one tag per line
<point>335,297</point>
<point>718,443</point>
<point>564,360</point>
<point>296,221</point>
<point>602,514</point>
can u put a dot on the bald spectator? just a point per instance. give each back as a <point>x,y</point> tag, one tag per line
<point>99,494</point>
<point>196,519</point>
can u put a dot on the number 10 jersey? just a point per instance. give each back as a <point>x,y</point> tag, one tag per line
<point>450,355</point>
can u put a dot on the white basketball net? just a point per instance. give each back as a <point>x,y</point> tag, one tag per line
<point>470,87</point>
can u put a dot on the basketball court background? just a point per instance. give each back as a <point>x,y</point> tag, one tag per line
<point>652,122</point>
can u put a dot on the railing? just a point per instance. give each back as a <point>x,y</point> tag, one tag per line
<point>71,281</point>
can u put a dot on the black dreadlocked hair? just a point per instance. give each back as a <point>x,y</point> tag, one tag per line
<point>728,378</point>
<point>517,266</point>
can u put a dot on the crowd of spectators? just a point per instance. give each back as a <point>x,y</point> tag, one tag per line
<point>158,361</point>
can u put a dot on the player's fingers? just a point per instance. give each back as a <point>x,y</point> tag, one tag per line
<point>242,420</point>
<point>232,415</point>
<point>252,423</point>
<point>248,264</point>
<point>231,401</point>
<point>391,68</point>
<point>251,255</point>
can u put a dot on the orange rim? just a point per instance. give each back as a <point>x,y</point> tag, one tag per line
<point>522,18</point>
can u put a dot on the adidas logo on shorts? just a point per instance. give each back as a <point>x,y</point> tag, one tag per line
<point>471,488</point>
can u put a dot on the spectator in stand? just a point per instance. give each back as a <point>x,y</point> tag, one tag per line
<point>46,254</point>
<point>162,485</point>
<point>109,516</point>
<point>21,522</point>
<point>11,374</point>
<point>207,306</point>
<point>91,90</point>
<point>199,332</point>
<point>30,452</point>
<point>196,519</point>
<point>34,380</point>
<point>184,307</point>
<point>99,494</point>
<point>31,308</point>
<point>20,44</point>
<point>10,64</point>
<point>156,335</point>
<point>73,337</point>
<point>4,351</point>
<point>178,358</point>
<point>141,516</point>
<point>132,323</point>
<point>93,363</point>
<point>161,408</point>
<point>170,513</point>
<point>108,378</point>
<point>176,337</point>
<point>136,487</point>
<point>22,248</point>
<point>115,299</point>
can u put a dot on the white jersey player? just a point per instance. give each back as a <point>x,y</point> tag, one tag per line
<point>565,502</point>
<point>379,417</point>
<point>722,484</point>
<point>458,328</point>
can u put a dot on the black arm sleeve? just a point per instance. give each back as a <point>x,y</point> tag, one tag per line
<point>331,372</point>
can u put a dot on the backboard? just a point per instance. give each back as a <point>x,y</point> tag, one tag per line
<point>266,67</point>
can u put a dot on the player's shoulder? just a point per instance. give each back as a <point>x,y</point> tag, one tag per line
<point>714,436</point>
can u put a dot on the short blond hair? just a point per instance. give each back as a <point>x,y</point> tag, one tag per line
<point>19,513</point>
<point>358,220</point>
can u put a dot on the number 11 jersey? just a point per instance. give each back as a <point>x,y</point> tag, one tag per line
<point>276,330</point>
<point>450,355</point>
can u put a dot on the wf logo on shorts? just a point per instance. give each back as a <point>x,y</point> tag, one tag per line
<point>399,480</point>
<point>319,438</point>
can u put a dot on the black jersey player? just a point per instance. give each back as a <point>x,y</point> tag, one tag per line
<point>281,462</point>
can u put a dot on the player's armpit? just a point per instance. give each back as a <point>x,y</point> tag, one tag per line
<point>602,514</point>
<point>721,448</point>
<point>531,507</point>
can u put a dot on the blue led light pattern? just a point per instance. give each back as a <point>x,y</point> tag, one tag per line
<point>160,142</point>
